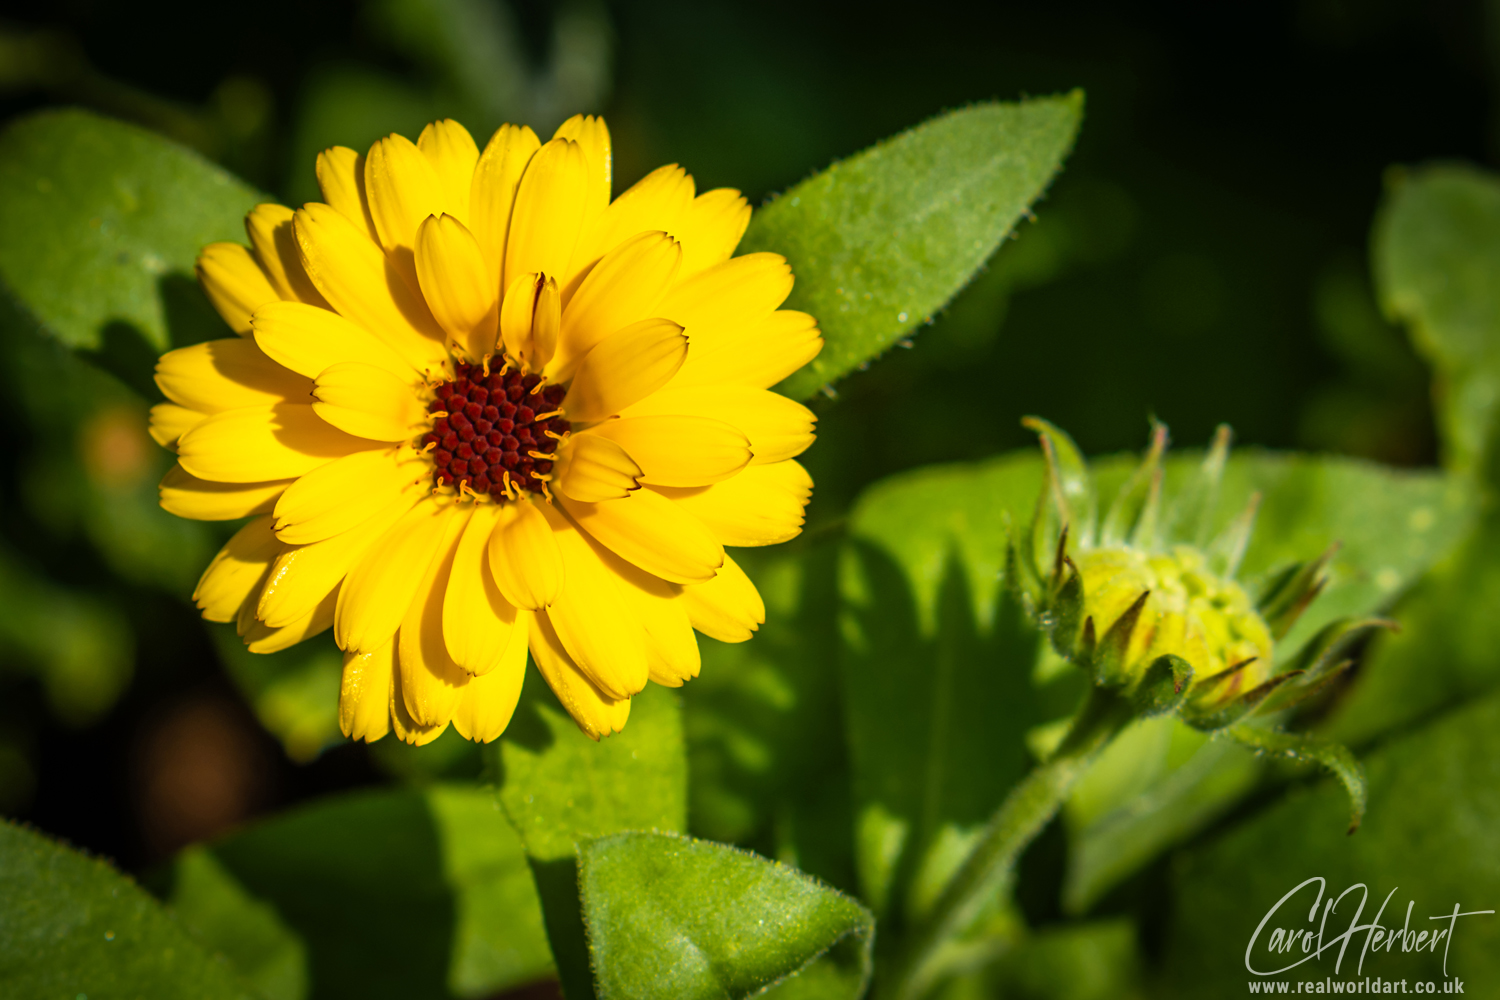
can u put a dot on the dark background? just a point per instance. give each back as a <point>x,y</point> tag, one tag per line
<point>1201,259</point>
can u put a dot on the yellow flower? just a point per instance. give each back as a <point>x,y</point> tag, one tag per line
<point>477,408</point>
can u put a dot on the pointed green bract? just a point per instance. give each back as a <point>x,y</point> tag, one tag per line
<point>71,925</point>
<point>675,918</point>
<point>882,240</point>
<point>100,223</point>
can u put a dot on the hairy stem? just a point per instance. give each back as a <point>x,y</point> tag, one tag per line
<point>989,869</point>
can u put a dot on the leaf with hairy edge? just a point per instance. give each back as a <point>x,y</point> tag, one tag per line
<point>100,223</point>
<point>434,881</point>
<point>683,919</point>
<point>882,240</point>
<point>70,925</point>
<point>561,788</point>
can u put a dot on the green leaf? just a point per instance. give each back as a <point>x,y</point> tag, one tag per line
<point>881,241</point>
<point>1429,839</point>
<point>760,710</point>
<point>561,788</point>
<point>939,664</point>
<point>375,894</point>
<point>1436,252</point>
<point>678,918</point>
<point>70,925</point>
<point>100,223</point>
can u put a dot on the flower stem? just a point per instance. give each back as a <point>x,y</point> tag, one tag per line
<point>989,868</point>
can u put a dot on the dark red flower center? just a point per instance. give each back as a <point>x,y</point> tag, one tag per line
<point>492,428</point>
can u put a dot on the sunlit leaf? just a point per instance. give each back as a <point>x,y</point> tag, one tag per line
<point>377,894</point>
<point>100,223</point>
<point>70,926</point>
<point>882,240</point>
<point>677,918</point>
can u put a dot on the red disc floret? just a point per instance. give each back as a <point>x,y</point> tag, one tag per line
<point>491,428</point>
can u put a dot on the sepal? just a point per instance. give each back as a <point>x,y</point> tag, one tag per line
<point>1164,687</point>
<point>1335,758</point>
<point>1291,591</point>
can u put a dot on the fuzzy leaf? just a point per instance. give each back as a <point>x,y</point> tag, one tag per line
<point>433,882</point>
<point>100,223</point>
<point>1429,841</point>
<point>1436,253</point>
<point>1332,757</point>
<point>560,789</point>
<point>70,925</point>
<point>882,240</point>
<point>672,917</point>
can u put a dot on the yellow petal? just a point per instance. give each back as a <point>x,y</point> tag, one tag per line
<point>728,607</point>
<point>727,297</point>
<point>671,647</point>
<point>431,683</point>
<point>369,402</point>
<point>461,291</point>
<point>592,136</point>
<point>227,374</point>
<point>592,468</point>
<point>304,575</point>
<point>548,212</point>
<point>492,192</point>
<point>529,320</point>
<point>262,638</point>
<point>758,356</point>
<point>593,617</point>
<point>489,700</point>
<point>712,229</point>
<point>365,694</point>
<point>595,712</point>
<point>258,444</point>
<point>234,282</point>
<point>361,284</point>
<point>652,532</point>
<point>169,422</point>
<point>341,175</point>
<point>778,428</point>
<point>309,340</point>
<point>478,622</point>
<point>657,202</point>
<point>188,496</point>
<point>344,494</point>
<point>407,729</point>
<point>381,586</point>
<point>677,451</point>
<point>450,149</point>
<point>624,368</point>
<point>236,571</point>
<point>623,288</point>
<point>760,506</point>
<point>523,556</point>
<point>403,190</point>
<point>270,229</point>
